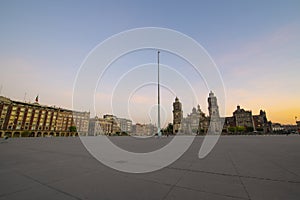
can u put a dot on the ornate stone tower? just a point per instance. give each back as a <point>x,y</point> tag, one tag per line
<point>213,107</point>
<point>214,116</point>
<point>177,115</point>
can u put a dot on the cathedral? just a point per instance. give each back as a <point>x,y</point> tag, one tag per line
<point>197,122</point>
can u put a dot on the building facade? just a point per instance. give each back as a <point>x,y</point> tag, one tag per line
<point>244,120</point>
<point>32,119</point>
<point>109,125</point>
<point>144,129</point>
<point>261,122</point>
<point>112,123</point>
<point>95,128</point>
<point>277,127</point>
<point>195,123</point>
<point>125,125</point>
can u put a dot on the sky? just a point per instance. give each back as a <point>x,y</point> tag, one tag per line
<point>254,44</point>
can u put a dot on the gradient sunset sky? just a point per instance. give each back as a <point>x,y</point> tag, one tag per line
<point>255,45</point>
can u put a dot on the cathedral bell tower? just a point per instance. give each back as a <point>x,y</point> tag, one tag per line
<point>215,125</point>
<point>177,115</point>
<point>213,107</point>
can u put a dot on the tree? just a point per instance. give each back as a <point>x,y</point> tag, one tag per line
<point>249,129</point>
<point>169,128</point>
<point>124,133</point>
<point>240,128</point>
<point>73,129</point>
<point>232,129</point>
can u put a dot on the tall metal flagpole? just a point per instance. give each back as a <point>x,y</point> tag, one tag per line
<point>158,98</point>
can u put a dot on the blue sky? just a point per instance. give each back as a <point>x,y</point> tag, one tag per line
<point>255,45</point>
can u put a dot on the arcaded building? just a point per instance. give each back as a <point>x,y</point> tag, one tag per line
<point>32,119</point>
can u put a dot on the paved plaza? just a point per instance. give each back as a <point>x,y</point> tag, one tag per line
<point>239,167</point>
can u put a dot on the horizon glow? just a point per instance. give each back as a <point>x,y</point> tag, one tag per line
<point>256,46</point>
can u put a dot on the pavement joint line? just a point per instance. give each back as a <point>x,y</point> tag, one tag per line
<point>16,191</point>
<point>172,184</point>
<point>15,168</point>
<point>235,175</point>
<point>179,179</point>
<point>48,186</point>
<point>175,185</point>
<point>187,188</point>
<point>62,153</point>
<point>237,171</point>
<point>214,193</point>
<point>278,165</point>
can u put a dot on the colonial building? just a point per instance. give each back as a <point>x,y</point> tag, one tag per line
<point>261,122</point>
<point>109,125</point>
<point>95,127</point>
<point>277,127</point>
<point>125,125</point>
<point>245,119</point>
<point>112,123</point>
<point>177,115</point>
<point>144,129</point>
<point>32,119</point>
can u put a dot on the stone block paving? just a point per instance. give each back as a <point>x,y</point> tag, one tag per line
<point>239,167</point>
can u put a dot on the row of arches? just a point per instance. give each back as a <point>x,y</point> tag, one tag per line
<point>36,134</point>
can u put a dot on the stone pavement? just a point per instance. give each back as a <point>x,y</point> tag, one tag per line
<point>239,167</point>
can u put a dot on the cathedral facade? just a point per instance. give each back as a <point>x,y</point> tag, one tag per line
<point>197,122</point>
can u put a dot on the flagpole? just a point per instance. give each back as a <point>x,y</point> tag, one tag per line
<point>158,98</point>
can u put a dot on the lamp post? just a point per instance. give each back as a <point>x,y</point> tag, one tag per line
<point>158,98</point>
